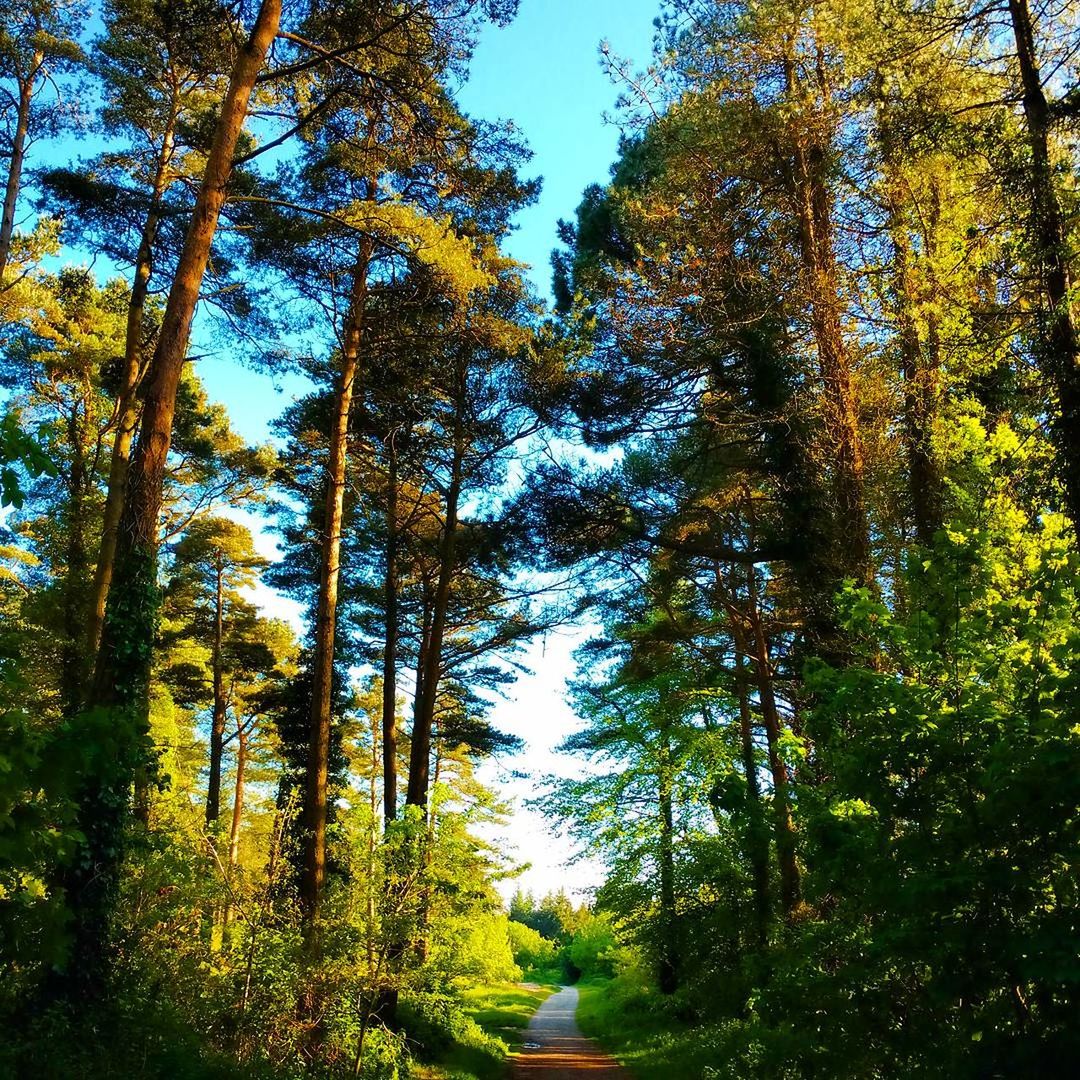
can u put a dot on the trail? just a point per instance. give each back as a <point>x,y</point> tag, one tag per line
<point>555,1049</point>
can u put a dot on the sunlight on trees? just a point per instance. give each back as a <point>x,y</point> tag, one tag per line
<point>799,439</point>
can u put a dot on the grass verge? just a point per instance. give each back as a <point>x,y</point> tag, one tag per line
<point>636,1028</point>
<point>502,1013</point>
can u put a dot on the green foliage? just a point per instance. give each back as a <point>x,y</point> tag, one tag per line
<point>532,951</point>
<point>553,916</point>
<point>830,717</point>
<point>592,947</point>
<point>834,694</point>
<point>19,453</point>
<point>487,955</point>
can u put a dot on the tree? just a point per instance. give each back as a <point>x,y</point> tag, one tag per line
<point>160,66</point>
<point>806,220</point>
<point>59,367</point>
<point>365,212</point>
<point>122,670</point>
<point>1059,341</point>
<point>38,47</point>
<point>213,564</point>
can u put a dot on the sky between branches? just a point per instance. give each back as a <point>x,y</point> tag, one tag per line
<point>543,73</point>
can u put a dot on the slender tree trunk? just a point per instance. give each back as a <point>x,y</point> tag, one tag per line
<point>237,815</point>
<point>401,867</point>
<point>238,794</point>
<point>425,639</point>
<point>427,693</point>
<point>669,951</point>
<point>427,689</point>
<point>389,703</point>
<point>121,678</point>
<point>318,769</point>
<point>217,727</point>
<point>18,155</point>
<point>283,805</point>
<point>423,928</point>
<point>1059,343</point>
<point>127,409</point>
<point>758,846</point>
<point>124,656</point>
<point>372,848</point>
<point>790,878</point>
<point>920,364</point>
<point>73,666</point>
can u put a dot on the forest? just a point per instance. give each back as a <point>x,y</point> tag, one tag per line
<point>793,444</point>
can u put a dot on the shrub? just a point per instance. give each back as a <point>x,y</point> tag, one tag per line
<point>532,951</point>
<point>592,950</point>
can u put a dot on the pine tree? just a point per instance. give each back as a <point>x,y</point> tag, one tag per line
<point>38,47</point>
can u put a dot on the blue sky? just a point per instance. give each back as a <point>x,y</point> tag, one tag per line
<point>543,72</point>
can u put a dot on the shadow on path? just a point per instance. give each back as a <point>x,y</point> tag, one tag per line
<point>555,1049</point>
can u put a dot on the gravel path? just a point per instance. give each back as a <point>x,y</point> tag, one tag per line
<point>555,1049</point>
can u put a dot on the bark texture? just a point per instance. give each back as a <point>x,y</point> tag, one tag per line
<point>813,206</point>
<point>127,405</point>
<point>786,841</point>
<point>389,705</point>
<point>1059,344</point>
<point>428,688</point>
<point>217,725</point>
<point>313,875</point>
<point>123,663</point>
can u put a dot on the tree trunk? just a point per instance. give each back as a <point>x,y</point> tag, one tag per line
<point>425,637</point>
<point>372,849</point>
<point>313,874</point>
<point>217,727</point>
<point>790,880</point>
<point>1059,343</point>
<point>237,816</point>
<point>121,677</point>
<point>814,211</point>
<point>18,155</point>
<point>428,689</point>
<point>389,704</point>
<point>669,947</point>
<point>920,364</point>
<point>73,659</point>
<point>124,656</point>
<point>238,794</point>
<point>758,845</point>
<point>127,408</point>
<point>423,921</point>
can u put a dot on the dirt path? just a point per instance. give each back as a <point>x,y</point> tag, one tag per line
<point>555,1049</point>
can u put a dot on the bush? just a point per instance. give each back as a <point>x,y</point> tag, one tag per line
<point>532,951</point>
<point>592,950</point>
<point>487,953</point>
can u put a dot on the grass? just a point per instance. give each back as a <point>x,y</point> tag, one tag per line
<point>553,976</point>
<point>502,1012</point>
<point>505,1010</point>
<point>634,1026</point>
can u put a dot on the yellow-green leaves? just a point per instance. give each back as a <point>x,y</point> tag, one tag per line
<point>432,241</point>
